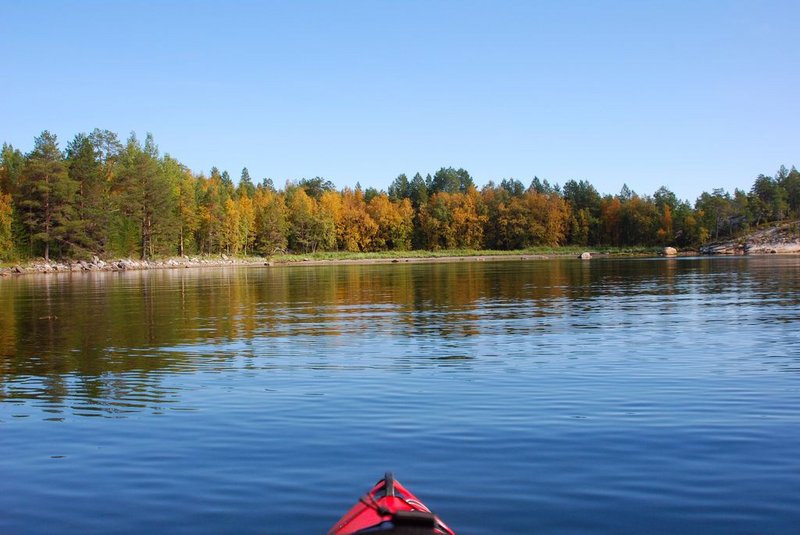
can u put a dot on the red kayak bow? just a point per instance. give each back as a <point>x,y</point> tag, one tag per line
<point>390,508</point>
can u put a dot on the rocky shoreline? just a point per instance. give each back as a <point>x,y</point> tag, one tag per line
<point>126,264</point>
<point>783,239</point>
<point>777,240</point>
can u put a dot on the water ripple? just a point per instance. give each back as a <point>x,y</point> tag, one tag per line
<point>616,396</point>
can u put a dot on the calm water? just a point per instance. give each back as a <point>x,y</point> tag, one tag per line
<point>554,397</point>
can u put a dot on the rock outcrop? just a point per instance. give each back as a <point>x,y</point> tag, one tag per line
<point>780,239</point>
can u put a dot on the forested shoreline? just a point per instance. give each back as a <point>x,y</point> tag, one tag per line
<point>101,196</point>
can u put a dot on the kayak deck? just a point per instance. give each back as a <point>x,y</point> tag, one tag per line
<point>390,508</point>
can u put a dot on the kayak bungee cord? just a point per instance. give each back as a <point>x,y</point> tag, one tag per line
<point>369,501</point>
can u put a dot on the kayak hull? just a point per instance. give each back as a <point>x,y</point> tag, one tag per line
<point>390,507</point>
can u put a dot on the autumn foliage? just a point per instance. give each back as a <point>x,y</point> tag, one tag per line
<point>102,196</point>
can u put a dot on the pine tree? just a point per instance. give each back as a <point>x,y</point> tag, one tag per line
<point>418,191</point>
<point>227,185</point>
<point>451,180</point>
<point>89,230</point>
<point>147,197</point>
<point>246,187</point>
<point>400,188</point>
<point>48,194</point>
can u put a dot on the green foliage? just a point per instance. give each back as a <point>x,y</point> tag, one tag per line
<point>245,187</point>
<point>639,222</point>
<point>147,197</point>
<point>11,162</point>
<point>47,197</point>
<point>585,202</point>
<point>418,191</point>
<point>543,186</point>
<point>370,193</point>
<point>268,184</point>
<point>103,197</point>
<point>769,199</point>
<point>271,229</point>
<point>792,186</point>
<point>400,188</point>
<point>664,197</point>
<point>227,184</point>
<point>309,227</point>
<point>315,187</point>
<point>90,227</point>
<point>449,180</point>
<point>529,219</point>
<point>513,187</point>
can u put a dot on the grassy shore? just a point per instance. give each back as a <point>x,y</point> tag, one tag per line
<point>38,265</point>
<point>568,251</point>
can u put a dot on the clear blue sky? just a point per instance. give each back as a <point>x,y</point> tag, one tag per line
<point>693,95</point>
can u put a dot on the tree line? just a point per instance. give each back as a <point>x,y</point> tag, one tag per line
<point>102,196</point>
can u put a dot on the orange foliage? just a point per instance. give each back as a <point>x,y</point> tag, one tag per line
<point>453,220</point>
<point>355,228</point>
<point>611,218</point>
<point>6,212</point>
<point>665,233</point>
<point>394,221</point>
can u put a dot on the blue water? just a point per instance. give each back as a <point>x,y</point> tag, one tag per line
<point>559,397</point>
